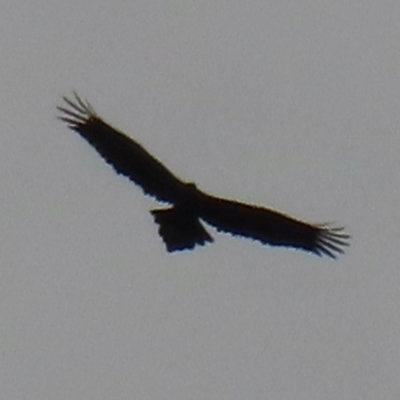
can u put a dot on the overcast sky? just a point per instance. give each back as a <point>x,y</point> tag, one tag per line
<point>288,104</point>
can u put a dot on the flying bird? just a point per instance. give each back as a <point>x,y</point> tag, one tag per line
<point>181,226</point>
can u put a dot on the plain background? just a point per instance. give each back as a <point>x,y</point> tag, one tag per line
<point>291,104</point>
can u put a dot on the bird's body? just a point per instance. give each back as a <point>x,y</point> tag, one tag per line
<point>180,226</point>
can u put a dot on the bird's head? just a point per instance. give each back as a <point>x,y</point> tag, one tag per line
<point>189,195</point>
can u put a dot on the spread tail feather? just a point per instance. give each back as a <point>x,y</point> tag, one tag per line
<point>180,229</point>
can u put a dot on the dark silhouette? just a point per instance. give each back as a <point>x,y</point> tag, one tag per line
<point>180,226</point>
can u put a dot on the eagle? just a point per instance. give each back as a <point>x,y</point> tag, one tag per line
<point>181,224</point>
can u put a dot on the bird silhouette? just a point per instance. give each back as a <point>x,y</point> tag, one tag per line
<point>181,225</point>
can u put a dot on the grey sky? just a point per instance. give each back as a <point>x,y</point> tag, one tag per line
<point>290,104</point>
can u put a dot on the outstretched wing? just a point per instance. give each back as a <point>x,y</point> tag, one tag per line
<point>271,227</point>
<point>126,156</point>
